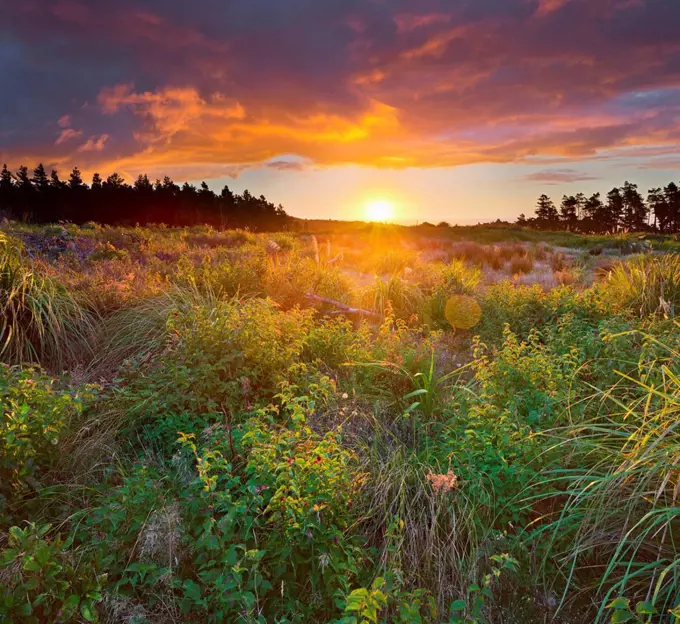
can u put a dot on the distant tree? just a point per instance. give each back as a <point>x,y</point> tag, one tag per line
<point>6,184</point>
<point>594,217</point>
<point>522,220</point>
<point>48,199</point>
<point>656,201</point>
<point>143,184</point>
<point>634,208</point>
<point>568,212</point>
<point>114,181</point>
<point>55,182</point>
<point>580,200</point>
<point>611,218</point>
<point>546,213</point>
<point>40,180</point>
<point>672,195</point>
<point>7,199</point>
<point>23,179</point>
<point>75,179</point>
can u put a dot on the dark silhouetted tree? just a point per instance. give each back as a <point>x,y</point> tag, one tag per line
<point>634,209</point>
<point>75,180</point>
<point>568,212</point>
<point>40,179</point>
<point>546,213</point>
<point>672,195</point>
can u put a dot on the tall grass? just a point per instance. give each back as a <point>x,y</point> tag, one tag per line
<point>646,284</point>
<point>618,532</point>
<point>40,321</point>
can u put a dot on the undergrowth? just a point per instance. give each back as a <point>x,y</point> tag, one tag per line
<point>203,426</point>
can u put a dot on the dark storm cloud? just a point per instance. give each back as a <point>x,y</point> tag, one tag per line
<point>200,86</point>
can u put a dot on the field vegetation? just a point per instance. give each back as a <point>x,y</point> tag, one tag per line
<point>345,424</point>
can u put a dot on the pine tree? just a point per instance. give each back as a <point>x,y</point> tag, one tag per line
<point>40,179</point>
<point>568,212</point>
<point>24,180</point>
<point>613,211</point>
<point>546,213</point>
<point>672,194</point>
<point>6,183</point>
<point>76,179</point>
<point>634,208</point>
<point>656,200</point>
<point>96,182</point>
<point>55,182</point>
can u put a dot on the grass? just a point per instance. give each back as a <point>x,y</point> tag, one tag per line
<point>186,436</point>
<point>647,285</point>
<point>39,319</point>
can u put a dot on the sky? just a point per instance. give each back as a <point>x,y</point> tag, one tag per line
<point>457,110</point>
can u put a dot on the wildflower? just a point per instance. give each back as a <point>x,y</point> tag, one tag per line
<point>442,482</point>
<point>345,396</point>
<point>291,460</point>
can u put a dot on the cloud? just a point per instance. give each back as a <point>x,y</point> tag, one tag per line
<point>94,144</point>
<point>286,165</point>
<point>410,84</point>
<point>407,22</point>
<point>66,135</point>
<point>558,176</point>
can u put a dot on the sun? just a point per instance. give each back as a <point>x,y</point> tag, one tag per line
<point>379,210</point>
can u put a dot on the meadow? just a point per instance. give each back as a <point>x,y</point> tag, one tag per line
<point>350,423</point>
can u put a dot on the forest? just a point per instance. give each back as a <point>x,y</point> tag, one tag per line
<point>623,210</point>
<point>39,198</point>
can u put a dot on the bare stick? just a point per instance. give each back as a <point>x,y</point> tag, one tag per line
<point>344,308</point>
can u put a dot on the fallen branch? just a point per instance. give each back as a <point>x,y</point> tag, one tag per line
<point>343,308</point>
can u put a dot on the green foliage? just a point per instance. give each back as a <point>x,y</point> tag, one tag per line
<point>220,356</point>
<point>258,457</point>
<point>34,416</point>
<point>42,580</point>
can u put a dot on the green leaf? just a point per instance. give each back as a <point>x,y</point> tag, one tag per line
<point>458,605</point>
<point>645,608</point>
<point>356,599</point>
<point>622,616</point>
<point>31,565</point>
<point>86,611</point>
<point>70,605</point>
<point>619,603</point>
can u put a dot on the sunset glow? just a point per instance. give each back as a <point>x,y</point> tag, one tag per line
<point>295,99</point>
<point>380,210</point>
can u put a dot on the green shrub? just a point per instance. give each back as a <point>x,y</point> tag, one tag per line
<point>44,580</point>
<point>220,357</point>
<point>455,278</point>
<point>34,417</point>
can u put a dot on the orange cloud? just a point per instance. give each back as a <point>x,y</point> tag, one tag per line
<point>94,144</point>
<point>66,135</point>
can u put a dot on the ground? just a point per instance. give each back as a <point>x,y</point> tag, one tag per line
<point>345,423</point>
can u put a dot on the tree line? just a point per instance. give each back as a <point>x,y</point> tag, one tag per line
<point>624,209</point>
<point>43,198</point>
